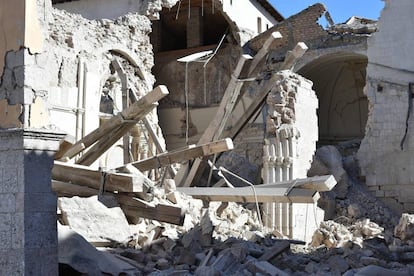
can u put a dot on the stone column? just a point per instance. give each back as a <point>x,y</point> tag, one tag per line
<point>28,234</point>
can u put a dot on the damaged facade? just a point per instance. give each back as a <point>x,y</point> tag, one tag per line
<point>86,74</point>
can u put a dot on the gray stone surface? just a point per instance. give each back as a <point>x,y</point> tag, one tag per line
<point>27,223</point>
<point>93,220</point>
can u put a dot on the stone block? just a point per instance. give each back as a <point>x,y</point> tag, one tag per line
<point>5,231</point>
<point>17,231</point>
<point>7,203</point>
<point>38,166</point>
<point>12,262</point>
<point>38,231</point>
<point>9,183</point>
<point>93,220</point>
<point>42,261</point>
<point>39,202</point>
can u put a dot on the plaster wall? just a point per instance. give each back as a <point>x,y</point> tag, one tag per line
<point>307,124</point>
<point>111,9</point>
<point>245,14</point>
<point>386,153</point>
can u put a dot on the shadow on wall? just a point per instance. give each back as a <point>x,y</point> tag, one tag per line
<point>339,81</point>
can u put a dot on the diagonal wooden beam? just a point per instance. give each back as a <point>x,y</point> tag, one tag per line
<point>168,158</point>
<point>134,113</point>
<point>263,90</point>
<point>112,137</point>
<point>264,50</point>
<point>218,122</point>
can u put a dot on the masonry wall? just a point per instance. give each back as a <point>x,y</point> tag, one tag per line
<point>301,27</point>
<point>112,9</point>
<point>386,155</point>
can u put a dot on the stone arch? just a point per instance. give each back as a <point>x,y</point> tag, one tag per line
<point>339,81</point>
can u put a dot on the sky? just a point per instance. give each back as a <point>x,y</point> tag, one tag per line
<point>340,10</point>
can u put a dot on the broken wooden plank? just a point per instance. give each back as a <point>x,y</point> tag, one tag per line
<point>293,56</point>
<point>258,101</point>
<point>134,208</point>
<point>264,50</point>
<point>68,189</point>
<point>65,144</point>
<point>322,183</point>
<point>134,113</point>
<point>85,176</point>
<point>275,250</point>
<point>177,156</point>
<point>246,194</point>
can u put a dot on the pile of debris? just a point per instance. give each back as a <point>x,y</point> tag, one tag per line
<point>221,239</point>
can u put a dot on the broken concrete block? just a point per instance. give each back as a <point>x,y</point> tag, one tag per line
<point>405,228</point>
<point>265,268</point>
<point>76,252</point>
<point>93,220</point>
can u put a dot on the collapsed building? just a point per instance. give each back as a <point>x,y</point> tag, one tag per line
<point>79,91</point>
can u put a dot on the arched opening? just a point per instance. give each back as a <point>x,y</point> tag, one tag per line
<point>339,80</point>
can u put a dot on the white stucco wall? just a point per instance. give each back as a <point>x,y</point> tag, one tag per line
<point>97,9</point>
<point>111,9</point>
<point>246,12</point>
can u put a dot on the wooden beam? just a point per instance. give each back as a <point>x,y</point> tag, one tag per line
<point>246,194</point>
<point>85,176</point>
<point>104,144</point>
<point>293,56</point>
<point>263,51</point>
<point>65,144</point>
<point>134,98</point>
<point>133,113</point>
<point>177,156</point>
<point>322,183</point>
<point>68,189</point>
<point>134,208</point>
<point>258,101</point>
<point>217,124</point>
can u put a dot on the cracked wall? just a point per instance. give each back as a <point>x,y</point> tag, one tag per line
<point>386,152</point>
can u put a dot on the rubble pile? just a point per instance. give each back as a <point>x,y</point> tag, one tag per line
<point>227,239</point>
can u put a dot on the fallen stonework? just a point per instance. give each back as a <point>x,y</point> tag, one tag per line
<point>229,240</point>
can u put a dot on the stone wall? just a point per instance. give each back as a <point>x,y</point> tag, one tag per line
<point>386,153</point>
<point>303,27</point>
